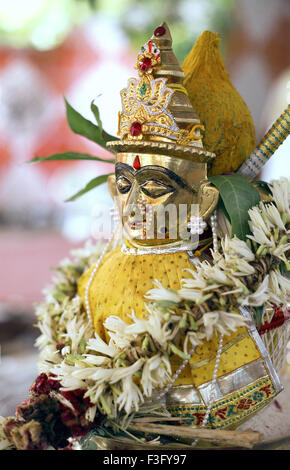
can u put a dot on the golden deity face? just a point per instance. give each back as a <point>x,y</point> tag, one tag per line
<point>156,196</point>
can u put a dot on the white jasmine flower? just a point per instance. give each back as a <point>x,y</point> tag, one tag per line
<point>231,321</point>
<point>193,339</point>
<point>68,382</point>
<point>118,332</point>
<point>48,356</point>
<point>273,215</point>
<point>279,287</point>
<point>97,374</point>
<point>260,237</point>
<point>98,345</point>
<point>234,247</point>
<point>96,360</point>
<point>139,326</point>
<point>46,334</point>
<point>281,194</point>
<point>221,322</point>
<point>130,397</point>
<point>236,267</point>
<point>122,372</point>
<point>116,324</point>
<point>194,295</point>
<point>194,282</point>
<point>157,328</point>
<point>215,274</point>
<point>63,373</point>
<point>259,222</point>
<point>94,393</point>
<point>280,251</point>
<point>209,321</point>
<point>150,375</point>
<point>161,293</point>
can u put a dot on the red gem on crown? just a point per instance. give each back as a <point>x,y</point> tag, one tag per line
<point>137,164</point>
<point>160,31</point>
<point>145,64</point>
<point>135,129</point>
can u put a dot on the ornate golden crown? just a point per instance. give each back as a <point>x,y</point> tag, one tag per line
<point>157,116</point>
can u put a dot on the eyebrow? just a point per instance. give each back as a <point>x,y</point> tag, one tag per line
<point>120,167</point>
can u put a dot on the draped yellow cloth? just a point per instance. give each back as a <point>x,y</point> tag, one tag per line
<point>119,286</point>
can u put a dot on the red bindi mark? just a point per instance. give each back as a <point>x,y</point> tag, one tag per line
<point>137,164</point>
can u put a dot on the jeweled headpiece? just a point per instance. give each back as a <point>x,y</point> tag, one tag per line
<point>157,116</point>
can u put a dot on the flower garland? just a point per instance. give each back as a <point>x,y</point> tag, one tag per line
<point>118,378</point>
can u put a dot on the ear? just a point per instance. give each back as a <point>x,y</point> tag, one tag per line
<point>208,196</point>
<point>112,185</point>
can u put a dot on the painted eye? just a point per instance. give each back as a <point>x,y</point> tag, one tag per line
<point>156,189</point>
<point>123,184</point>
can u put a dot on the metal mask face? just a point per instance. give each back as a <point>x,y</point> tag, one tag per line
<point>156,195</point>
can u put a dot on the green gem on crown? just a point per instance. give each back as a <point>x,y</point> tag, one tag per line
<point>143,89</point>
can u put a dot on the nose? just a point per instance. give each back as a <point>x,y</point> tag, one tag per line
<point>131,208</point>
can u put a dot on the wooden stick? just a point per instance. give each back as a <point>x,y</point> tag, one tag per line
<point>154,419</point>
<point>230,438</point>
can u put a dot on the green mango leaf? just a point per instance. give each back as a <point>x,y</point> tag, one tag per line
<point>80,125</point>
<point>238,196</point>
<point>70,156</point>
<point>221,206</point>
<point>91,185</point>
<point>96,113</point>
<point>106,137</point>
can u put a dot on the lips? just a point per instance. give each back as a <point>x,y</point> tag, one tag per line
<point>135,225</point>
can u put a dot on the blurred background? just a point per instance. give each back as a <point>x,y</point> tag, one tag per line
<point>85,50</point>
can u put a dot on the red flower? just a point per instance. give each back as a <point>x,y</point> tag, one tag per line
<point>43,385</point>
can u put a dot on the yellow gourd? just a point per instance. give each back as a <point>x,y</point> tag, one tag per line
<point>229,127</point>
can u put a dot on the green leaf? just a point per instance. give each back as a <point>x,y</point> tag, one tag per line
<point>96,113</point>
<point>259,315</point>
<point>80,125</point>
<point>70,156</point>
<point>221,206</point>
<point>105,136</point>
<point>91,185</point>
<point>238,196</point>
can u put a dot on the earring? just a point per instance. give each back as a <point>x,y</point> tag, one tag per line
<point>197,225</point>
